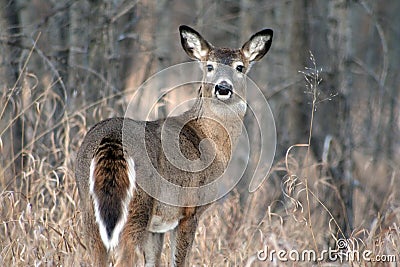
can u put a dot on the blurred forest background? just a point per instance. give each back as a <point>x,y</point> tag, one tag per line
<point>65,65</point>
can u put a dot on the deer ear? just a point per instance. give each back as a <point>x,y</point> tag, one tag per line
<point>258,45</point>
<point>193,43</point>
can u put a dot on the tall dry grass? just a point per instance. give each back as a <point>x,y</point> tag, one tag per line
<point>39,204</point>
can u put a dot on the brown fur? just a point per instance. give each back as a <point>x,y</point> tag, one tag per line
<point>207,119</point>
<point>111,181</point>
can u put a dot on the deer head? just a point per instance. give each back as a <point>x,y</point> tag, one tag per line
<point>225,69</point>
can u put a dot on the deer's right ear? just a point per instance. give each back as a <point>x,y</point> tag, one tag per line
<point>193,43</point>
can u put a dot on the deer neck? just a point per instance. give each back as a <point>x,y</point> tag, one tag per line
<point>217,121</point>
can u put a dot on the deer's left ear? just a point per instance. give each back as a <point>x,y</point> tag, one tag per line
<point>193,43</point>
<point>258,45</point>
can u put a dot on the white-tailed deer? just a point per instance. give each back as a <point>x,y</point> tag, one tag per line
<point>119,215</point>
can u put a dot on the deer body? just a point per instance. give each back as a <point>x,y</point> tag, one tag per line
<point>117,153</point>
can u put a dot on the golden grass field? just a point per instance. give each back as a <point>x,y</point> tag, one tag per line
<point>40,214</point>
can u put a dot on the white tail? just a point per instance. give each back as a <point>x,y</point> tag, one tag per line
<point>117,156</point>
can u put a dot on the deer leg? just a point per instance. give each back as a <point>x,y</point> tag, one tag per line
<point>152,249</point>
<point>131,243</point>
<point>182,238</point>
<point>134,234</point>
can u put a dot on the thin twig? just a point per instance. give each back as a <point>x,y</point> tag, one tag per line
<point>20,75</point>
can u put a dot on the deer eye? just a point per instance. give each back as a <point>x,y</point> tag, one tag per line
<point>210,67</point>
<point>240,68</point>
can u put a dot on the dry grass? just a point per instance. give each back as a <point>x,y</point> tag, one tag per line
<point>40,217</point>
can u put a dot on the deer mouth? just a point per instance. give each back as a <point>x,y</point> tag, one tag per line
<point>223,91</point>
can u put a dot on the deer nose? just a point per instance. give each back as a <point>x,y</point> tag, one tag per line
<point>223,88</point>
